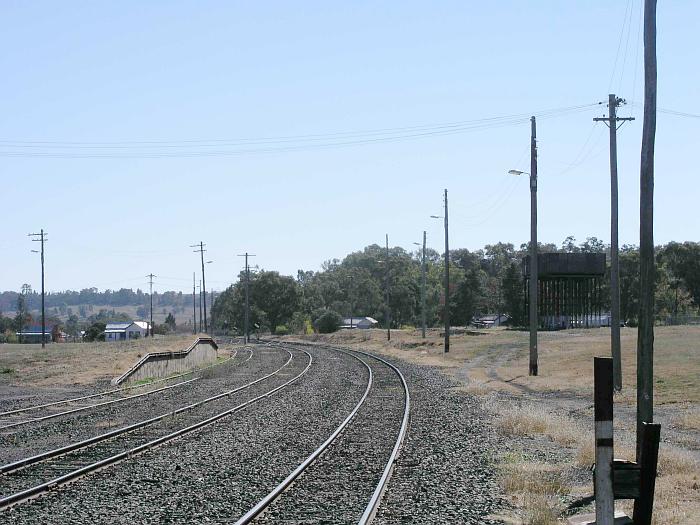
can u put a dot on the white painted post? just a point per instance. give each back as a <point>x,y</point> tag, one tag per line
<point>603,396</point>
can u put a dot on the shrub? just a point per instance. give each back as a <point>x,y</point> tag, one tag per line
<point>328,322</point>
<point>281,330</point>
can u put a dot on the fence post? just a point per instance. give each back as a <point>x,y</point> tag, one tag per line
<point>603,399</point>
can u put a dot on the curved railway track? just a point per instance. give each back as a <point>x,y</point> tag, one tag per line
<point>290,500</point>
<point>38,474</point>
<point>342,480</point>
<point>17,417</point>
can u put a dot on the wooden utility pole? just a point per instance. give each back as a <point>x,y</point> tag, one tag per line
<point>533,248</point>
<point>423,283</point>
<point>41,237</point>
<point>150,282</point>
<point>194,305</point>
<point>447,279</point>
<point>246,329</point>
<point>645,332</point>
<point>200,305</point>
<point>201,251</point>
<point>387,310</point>
<point>213,298</point>
<point>612,122</point>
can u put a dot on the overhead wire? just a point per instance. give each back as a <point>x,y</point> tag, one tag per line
<point>619,46</point>
<point>275,145</point>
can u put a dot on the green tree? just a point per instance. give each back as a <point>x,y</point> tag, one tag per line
<point>170,321</point>
<point>514,295</point>
<point>95,332</point>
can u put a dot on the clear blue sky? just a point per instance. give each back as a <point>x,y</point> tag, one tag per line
<point>126,73</point>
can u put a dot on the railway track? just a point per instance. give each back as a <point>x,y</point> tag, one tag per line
<point>30,477</point>
<point>359,465</point>
<point>45,411</point>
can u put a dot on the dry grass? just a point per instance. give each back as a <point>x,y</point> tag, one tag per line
<point>78,363</point>
<point>689,420</point>
<point>535,489</point>
<point>566,357</point>
<point>530,419</point>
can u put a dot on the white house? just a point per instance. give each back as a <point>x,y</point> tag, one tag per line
<point>126,331</point>
<point>359,322</point>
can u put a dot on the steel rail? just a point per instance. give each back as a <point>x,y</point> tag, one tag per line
<point>279,489</point>
<point>373,505</point>
<point>114,391</point>
<point>95,405</point>
<point>375,500</point>
<point>16,465</point>
<point>71,476</point>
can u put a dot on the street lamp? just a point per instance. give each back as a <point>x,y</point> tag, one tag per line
<point>533,249</point>
<point>447,275</point>
<point>422,292</point>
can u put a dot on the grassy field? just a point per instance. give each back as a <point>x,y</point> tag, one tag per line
<point>77,363</point>
<point>551,415</point>
<point>498,358</point>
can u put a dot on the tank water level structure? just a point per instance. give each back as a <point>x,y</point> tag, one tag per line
<point>569,290</point>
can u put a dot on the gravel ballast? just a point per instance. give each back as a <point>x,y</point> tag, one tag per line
<point>443,474</point>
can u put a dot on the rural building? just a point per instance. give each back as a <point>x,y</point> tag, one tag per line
<point>490,320</point>
<point>358,322</point>
<point>126,331</point>
<point>32,334</point>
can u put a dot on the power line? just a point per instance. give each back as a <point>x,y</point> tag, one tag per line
<point>272,145</point>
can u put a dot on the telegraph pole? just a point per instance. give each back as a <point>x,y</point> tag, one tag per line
<point>200,305</point>
<point>194,305</point>
<point>533,369</point>
<point>447,281</point>
<point>645,331</point>
<point>150,277</point>
<point>387,310</point>
<point>201,251</point>
<point>41,237</point>
<point>422,298</point>
<point>246,328</point>
<point>612,122</point>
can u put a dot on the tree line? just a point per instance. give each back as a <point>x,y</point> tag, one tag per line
<point>484,281</point>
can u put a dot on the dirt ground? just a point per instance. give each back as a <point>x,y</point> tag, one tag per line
<point>547,421</point>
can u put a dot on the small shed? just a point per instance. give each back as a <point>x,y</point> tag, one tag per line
<point>363,323</point>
